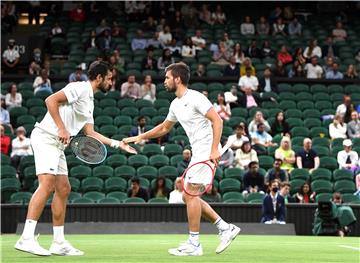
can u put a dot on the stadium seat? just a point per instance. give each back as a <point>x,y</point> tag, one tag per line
<point>137,200</point>
<point>125,102</point>
<point>108,130</point>
<point>266,162</point>
<point>296,185</point>
<point>92,184</point>
<point>109,200</point>
<point>344,186</point>
<point>159,160</point>
<point>297,173</point>
<point>172,149</point>
<point>321,173</point>
<point>115,184</point>
<point>321,96</point>
<point>255,198</point>
<point>20,198</point>
<point>148,111</point>
<point>103,171</point>
<point>121,196</point>
<point>234,196</point>
<point>318,141</point>
<point>349,198</point>
<point>130,111</point>
<point>158,200</point>
<point>300,131</point>
<point>303,96</point>
<point>304,105</point>
<point>235,173</point>
<point>151,149</point>
<point>125,171</point>
<point>5,159</point>
<point>323,197</point>
<point>342,174</point>
<point>83,200</point>
<point>321,150</point>
<point>137,160</point>
<point>125,129</point>
<point>8,187</point>
<point>112,111</point>
<point>322,186</point>
<point>80,171</point>
<point>75,184</point>
<point>116,160</point>
<point>107,102</point>
<point>174,160</point>
<point>311,122</point>
<point>229,185</point>
<point>328,163</point>
<point>168,172</point>
<point>148,172</point>
<point>8,171</point>
<point>94,195</point>
<point>103,120</point>
<point>319,132</point>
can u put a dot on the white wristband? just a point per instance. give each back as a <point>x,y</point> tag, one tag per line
<point>115,144</point>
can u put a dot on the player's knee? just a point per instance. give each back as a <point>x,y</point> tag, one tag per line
<point>63,189</point>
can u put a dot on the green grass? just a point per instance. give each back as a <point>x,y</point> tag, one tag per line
<point>153,248</point>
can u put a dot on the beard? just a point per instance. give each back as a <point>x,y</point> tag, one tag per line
<point>103,87</point>
<point>173,87</point>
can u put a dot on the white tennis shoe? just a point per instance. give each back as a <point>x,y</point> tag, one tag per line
<point>64,249</point>
<point>187,249</point>
<point>31,245</point>
<point>226,237</point>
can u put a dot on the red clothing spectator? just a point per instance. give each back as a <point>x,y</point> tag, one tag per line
<point>78,13</point>
<point>284,56</point>
<point>5,142</point>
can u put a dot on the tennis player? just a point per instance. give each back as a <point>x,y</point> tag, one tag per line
<point>69,111</point>
<point>203,126</point>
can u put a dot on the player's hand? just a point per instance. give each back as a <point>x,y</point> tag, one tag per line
<point>64,136</point>
<point>126,147</point>
<point>134,139</point>
<point>215,156</point>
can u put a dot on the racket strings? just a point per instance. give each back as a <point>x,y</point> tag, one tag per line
<point>88,149</point>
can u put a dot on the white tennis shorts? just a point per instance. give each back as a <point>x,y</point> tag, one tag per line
<point>48,153</point>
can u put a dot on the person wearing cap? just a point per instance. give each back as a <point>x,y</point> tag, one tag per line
<point>347,158</point>
<point>11,58</point>
<point>20,147</point>
<point>78,75</point>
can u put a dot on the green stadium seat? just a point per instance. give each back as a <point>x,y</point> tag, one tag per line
<point>20,198</point>
<point>157,119</point>
<point>321,96</point>
<point>125,171</point>
<point>304,96</point>
<point>103,171</point>
<point>239,112</point>
<point>255,198</point>
<point>8,171</point>
<point>92,184</point>
<point>349,198</point>
<point>17,111</point>
<point>229,185</point>
<point>172,149</point>
<point>312,122</point>
<point>108,130</point>
<point>287,96</point>
<point>75,184</point>
<point>335,88</point>
<point>323,197</point>
<point>322,105</point>
<point>125,129</point>
<point>304,105</point>
<point>115,184</point>
<point>235,173</point>
<point>328,162</point>
<point>116,160</point>
<point>266,162</point>
<point>235,197</point>
<point>148,111</point>
<point>296,185</point>
<point>125,102</point>
<point>318,141</point>
<point>322,186</point>
<point>316,88</point>
<point>5,159</point>
<point>80,171</point>
<point>321,150</point>
<point>343,174</point>
<point>344,186</point>
<point>107,102</point>
<point>122,120</point>
<point>300,131</point>
<point>94,195</point>
<point>151,149</point>
<point>337,142</point>
<point>136,200</point>
<point>180,139</point>
<point>26,161</point>
<point>148,172</point>
<point>335,150</point>
<point>121,196</point>
<point>295,122</point>
<point>159,160</point>
<point>130,111</point>
<point>174,160</point>
<point>111,111</point>
<point>83,200</point>
<point>137,160</point>
<point>103,120</point>
<point>158,200</point>
<point>319,132</point>
<point>168,172</point>
<point>293,113</point>
<point>109,200</point>
<point>163,111</point>
<point>8,187</point>
<point>302,174</point>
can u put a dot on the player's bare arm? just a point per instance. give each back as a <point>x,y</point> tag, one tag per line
<point>53,103</point>
<point>158,131</point>
<point>217,125</point>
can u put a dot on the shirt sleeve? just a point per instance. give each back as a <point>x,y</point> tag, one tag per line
<point>202,104</point>
<point>171,115</point>
<point>74,92</point>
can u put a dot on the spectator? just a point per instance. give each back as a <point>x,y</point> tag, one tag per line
<point>57,31</point>
<point>347,158</point>
<point>188,50</point>
<point>231,97</point>
<point>159,190</point>
<point>285,192</point>
<point>222,56</point>
<point>102,27</point>
<point>13,98</point>
<point>4,114</point>
<point>305,195</point>
<point>351,72</point>
<point>296,71</point>
<point>78,13</point>
<point>198,41</point>
<point>117,62</point>
<point>253,51</point>
<point>353,127</point>
<point>115,83</point>
<point>261,139</point>
<point>175,50</point>
<point>130,89</point>
<point>263,27</point>
<point>227,159</point>
<point>299,56</point>
<point>339,33</point>
<point>329,49</point>
<point>253,180</point>
<point>148,89</point>
<point>229,43</point>
<point>258,118</point>
<point>238,138</point>
<point>140,128</point>
<point>273,208</point>
<point>268,84</point>
<point>104,41</point>
<point>20,147</point>
<point>245,155</point>
<point>211,195</point>
<point>92,41</point>
<point>34,67</point>
<point>295,28</point>
<point>11,58</point>
<point>117,30</point>
<point>307,157</point>
<point>181,166</point>
<point>276,173</point>
<point>280,127</point>
<point>176,195</point>
<point>249,101</point>
<point>205,15</point>
<point>248,81</point>
<point>42,82</point>
<point>165,36</point>
<point>279,27</point>
<point>165,60</point>
<point>138,42</point>
<point>219,16</point>
<point>313,70</point>
<point>5,141</point>
<point>78,75</point>
<point>313,50</point>
<point>275,14</point>
<point>288,14</point>
<point>357,56</point>
<point>286,154</point>
<point>238,54</point>
<point>247,28</point>
<point>161,25</point>
<point>222,108</point>
<point>177,26</point>
<point>247,64</point>
<point>149,62</point>
<point>136,190</point>
<point>232,69</point>
<point>266,50</point>
<point>153,42</point>
<point>280,70</point>
<point>334,73</point>
<point>200,71</point>
<point>284,56</point>
<point>337,129</point>
<point>150,24</point>
<point>346,108</point>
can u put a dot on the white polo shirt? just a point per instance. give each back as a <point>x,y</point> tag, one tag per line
<point>77,112</point>
<point>11,55</point>
<point>252,82</point>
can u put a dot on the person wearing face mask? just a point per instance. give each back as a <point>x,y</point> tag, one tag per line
<point>273,208</point>
<point>11,58</point>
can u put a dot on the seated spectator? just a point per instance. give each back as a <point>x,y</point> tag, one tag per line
<point>222,56</point>
<point>299,56</point>
<point>148,89</point>
<point>231,97</point>
<point>117,30</point>
<point>329,64</point>
<point>258,118</point>
<point>238,54</point>
<point>305,195</point>
<point>339,33</point>
<point>346,108</point>
<point>297,71</point>
<point>35,64</point>
<point>160,190</point>
<point>92,41</point>
<point>165,60</point>
<point>5,141</point>
<point>149,62</point>
<point>211,195</point>
<point>218,16</point>
<point>280,127</point>
<point>117,61</point>
<point>253,180</point>
<point>136,190</point>
<point>42,82</point>
<point>247,28</point>
<point>275,14</point>
<point>285,192</point>
<point>149,25</point>
<point>175,50</point>
<point>238,138</point>
<point>266,51</point>
<point>262,27</point>
<point>175,196</point>
<point>198,41</point>
<point>248,81</point>
<point>191,20</point>
<point>115,81</point>
<point>334,73</point>
<point>227,158</point>
<point>248,100</point>
<point>232,69</point>
<point>273,208</point>
<point>276,173</point>
<point>280,70</point>
<point>188,50</point>
<point>313,50</point>
<point>154,42</point>
<point>105,41</point>
<point>78,13</point>
<point>165,37</point>
<point>253,51</point>
<point>313,70</point>
<point>268,84</point>
<point>329,49</point>
<point>130,89</point>
<point>307,157</point>
<point>279,27</point>
<point>11,58</point>
<point>13,98</point>
<point>247,64</point>
<point>286,154</point>
<point>284,55</point>
<point>347,158</point>
<point>295,28</point>
<point>353,127</point>
<point>200,71</point>
<point>181,166</point>
<point>20,147</point>
<point>351,72</point>
<point>222,108</point>
<point>245,155</point>
<point>140,128</point>
<point>138,42</point>
<point>288,14</point>
<point>177,25</point>
<point>102,27</point>
<point>229,43</point>
<point>261,139</point>
<point>337,129</point>
<point>4,114</point>
<point>205,15</point>
<point>78,75</point>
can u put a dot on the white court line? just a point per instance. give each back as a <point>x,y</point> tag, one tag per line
<point>353,248</point>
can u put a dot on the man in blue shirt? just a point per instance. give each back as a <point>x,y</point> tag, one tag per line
<point>138,42</point>
<point>334,73</point>
<point>78,75</point>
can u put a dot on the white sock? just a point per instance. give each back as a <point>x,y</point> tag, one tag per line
<point>58,234</point>
<point>29,229</point>
<point>194,238</point>
<point>221,224</point>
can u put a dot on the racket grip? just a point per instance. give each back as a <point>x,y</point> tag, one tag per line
<point>115,144</point>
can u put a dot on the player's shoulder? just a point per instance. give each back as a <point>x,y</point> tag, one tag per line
<point>196,94</point>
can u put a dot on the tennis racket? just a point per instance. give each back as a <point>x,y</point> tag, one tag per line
<point>88,149</point>
<point>199,176</point>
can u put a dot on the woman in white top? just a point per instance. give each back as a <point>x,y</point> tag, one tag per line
<point>13,98</point>
<point>337,129</point>
<point>42,82</point>
<point>312,50</point>
<point>176,195</point>
<point>222,108</point>
<point>258,118</point>
<point>219,16</point>
<point>188,49</point>
<point>148,89</point>
<point>245,155</point>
